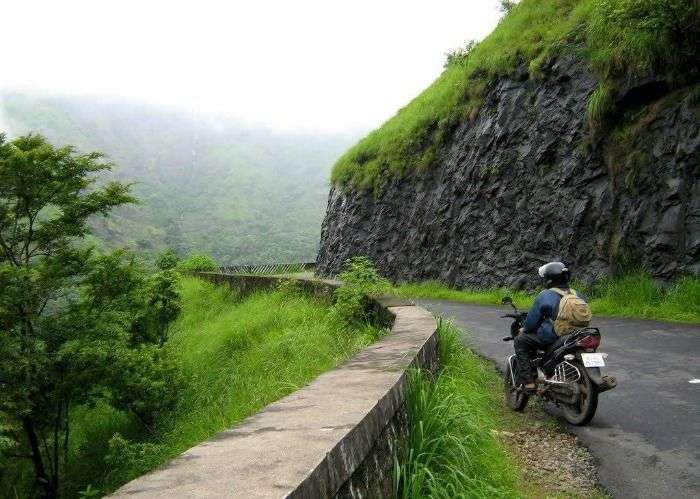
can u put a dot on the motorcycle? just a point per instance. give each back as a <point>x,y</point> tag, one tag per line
<point>568,372</point>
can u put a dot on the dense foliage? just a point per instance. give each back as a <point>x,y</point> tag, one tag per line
<point>619,39</point>
<point>197,262</point>
<point>360,281</point>
<point>205,183</point>
<point>76,328</point>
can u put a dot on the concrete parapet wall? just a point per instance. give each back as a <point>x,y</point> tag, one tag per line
<point>335,437</point>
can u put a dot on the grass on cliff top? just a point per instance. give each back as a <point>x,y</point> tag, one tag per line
<point>454,447</point>
<point>236,356</point>
<point>619,38</point>
<point>635,296</point>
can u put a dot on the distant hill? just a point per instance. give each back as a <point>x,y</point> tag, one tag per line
<point>206,183</point>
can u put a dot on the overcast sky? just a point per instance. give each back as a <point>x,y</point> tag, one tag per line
<point>305,64</point>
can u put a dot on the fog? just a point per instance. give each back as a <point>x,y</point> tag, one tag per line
<point>304,65</point>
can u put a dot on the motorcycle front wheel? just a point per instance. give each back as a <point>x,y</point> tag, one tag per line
<point>584,409</point>
<point>515,399</point>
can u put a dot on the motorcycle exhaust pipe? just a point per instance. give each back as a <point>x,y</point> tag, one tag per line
<point>606,383</point>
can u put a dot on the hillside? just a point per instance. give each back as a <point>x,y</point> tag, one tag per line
<point>206,183</point>
<point>570,132</point>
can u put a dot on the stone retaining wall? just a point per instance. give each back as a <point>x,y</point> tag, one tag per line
<point>335,437</point>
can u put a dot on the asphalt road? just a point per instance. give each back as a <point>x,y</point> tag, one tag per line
<point>646,432</point>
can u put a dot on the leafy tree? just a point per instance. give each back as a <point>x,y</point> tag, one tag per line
<point>164,301</point>
<point>73,325</point>
<point>167,259</point>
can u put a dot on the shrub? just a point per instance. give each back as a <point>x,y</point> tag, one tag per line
<point>197,262</point>
<point>167,259</point>
<point>360,280</point>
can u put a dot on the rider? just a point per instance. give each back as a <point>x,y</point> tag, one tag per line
<point>538,329</point>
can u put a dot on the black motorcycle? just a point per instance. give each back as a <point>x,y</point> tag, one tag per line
<point>568,372</point>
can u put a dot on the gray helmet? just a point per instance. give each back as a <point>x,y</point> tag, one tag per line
<point>554,274</point>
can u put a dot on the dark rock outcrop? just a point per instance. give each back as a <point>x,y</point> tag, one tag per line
<point>525,182</point>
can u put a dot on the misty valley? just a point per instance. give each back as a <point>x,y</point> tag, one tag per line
<point>205,183</point>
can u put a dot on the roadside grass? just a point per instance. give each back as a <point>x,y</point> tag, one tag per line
<point>436,290</point>
<point>236,356</point>
<point>638,296</point>
<point>457,443</point>
<point>633,296</point>
<point>450,451</point>
<point>620,39</point>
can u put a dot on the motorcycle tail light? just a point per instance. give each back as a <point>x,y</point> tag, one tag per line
<point>589,342</point>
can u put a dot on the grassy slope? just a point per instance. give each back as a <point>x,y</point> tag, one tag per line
<point>632,296</point>
<point>619,39</point>
<point>236,358</point>
<point>453,448</point>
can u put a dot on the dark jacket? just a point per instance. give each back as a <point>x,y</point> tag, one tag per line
<point>540,318</point>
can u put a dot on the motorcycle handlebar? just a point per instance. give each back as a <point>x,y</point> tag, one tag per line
<point>511,316</point>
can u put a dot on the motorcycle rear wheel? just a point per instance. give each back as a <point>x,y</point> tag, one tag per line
<point>515,399</point>
<point>583,411</point>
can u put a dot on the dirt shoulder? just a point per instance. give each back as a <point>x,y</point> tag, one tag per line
<point>552,461</point>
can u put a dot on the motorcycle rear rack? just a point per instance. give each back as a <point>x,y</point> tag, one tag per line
<point>564,373</point>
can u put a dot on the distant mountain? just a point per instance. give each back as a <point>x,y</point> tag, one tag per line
<point>205,183</point>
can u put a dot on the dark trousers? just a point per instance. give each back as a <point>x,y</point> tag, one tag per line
<point>525,347</point>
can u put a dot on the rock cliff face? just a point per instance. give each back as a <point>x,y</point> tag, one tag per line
<point>525,182</point>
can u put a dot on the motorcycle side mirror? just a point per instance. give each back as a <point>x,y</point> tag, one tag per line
<point>507,300</point>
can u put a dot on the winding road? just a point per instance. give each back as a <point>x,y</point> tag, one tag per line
<point>646,433</point>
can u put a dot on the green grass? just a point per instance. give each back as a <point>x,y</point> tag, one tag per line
<point>451,451</point>
<point>455,447</point>
<point>619,38</point>
<point>236,356</point>
<point>638,296</point>
<point>634,296</point>
<point>438,291</point>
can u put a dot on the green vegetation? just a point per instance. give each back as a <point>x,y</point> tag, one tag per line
<point>451,451</point>
<point>438,291</point>
<point>223,349</point>
<point>226,349</point>
<point>360,280</point>
<point>205,183</point>
<point>620,39</point>
<point>635,295</point>
<point>77,328</point>
<point>197,263</point>
<point>638,296</point>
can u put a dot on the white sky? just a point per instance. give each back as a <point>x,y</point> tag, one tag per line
<point>305,64</point>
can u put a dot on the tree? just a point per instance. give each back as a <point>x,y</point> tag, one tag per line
<point>167,259</point>
<point>72,323</point>
<point>507,5</point>
<point>164,301</point>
